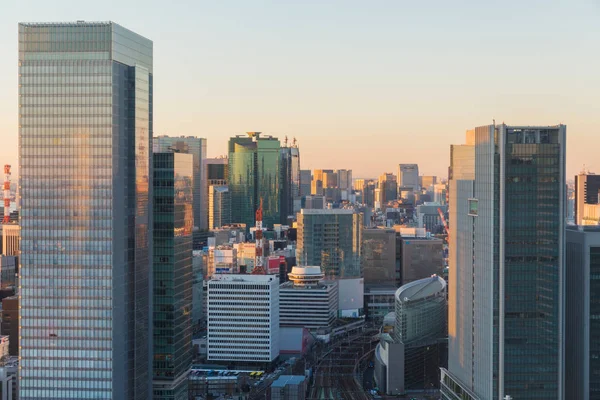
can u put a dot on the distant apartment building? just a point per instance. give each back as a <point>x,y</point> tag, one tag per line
<point>587,186</point>
<point>243,318</point>
<point>306,300</point>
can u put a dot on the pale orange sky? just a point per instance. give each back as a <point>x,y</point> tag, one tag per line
<point>360,85</point>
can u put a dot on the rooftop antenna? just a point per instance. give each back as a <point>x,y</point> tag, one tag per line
<point>285,141</point>
<point>294,141</point>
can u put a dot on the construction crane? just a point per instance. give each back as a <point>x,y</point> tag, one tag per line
<point>444,223</point>
<point>259,261</point>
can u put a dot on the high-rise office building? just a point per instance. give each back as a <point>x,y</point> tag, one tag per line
<point>10,323</point>
<point>408,180</point>
<point>243,318</point>
<point>197,147</point>
<point>587,187</point>
<point>419,255</point>
<point>216,172</point>
<point>331,239</point>
<point>344,177</point>
<point>582,306</point>
<point>219,206</point>
<point>506,264</point>
<point>290,182</point>
<point>379,256</point>
<point>85,134</point>
<point>254,174</point>
<point>172,274</point>
<point>305,182</point>
<point>426,182</point>
<point>387,189</point>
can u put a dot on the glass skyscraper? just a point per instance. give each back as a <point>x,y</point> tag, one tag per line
<point>290,182</point>
<point>506,264</point>
<point>85,129</point>
<point>197,147</point>
<point>254,174</point>
<point>172,272</point>
<point>331,239</point>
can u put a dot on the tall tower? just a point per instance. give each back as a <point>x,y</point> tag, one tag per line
<point>172,274</point>
<point>259,263</point>
<point>506,264</point>
<point>85,153</point>
<point>254,174</point>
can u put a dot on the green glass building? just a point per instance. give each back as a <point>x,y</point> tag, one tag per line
<point>254,174</point>
<point>172,273</point>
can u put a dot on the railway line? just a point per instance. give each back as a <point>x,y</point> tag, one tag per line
<point>335,374</point>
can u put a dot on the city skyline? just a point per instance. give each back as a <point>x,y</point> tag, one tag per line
<point>308,81</point>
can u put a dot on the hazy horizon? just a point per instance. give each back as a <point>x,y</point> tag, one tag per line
<point>360,86</point>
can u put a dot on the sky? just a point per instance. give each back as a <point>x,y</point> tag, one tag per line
<point>364,85</point>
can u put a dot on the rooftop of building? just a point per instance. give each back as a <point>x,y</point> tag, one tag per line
<point>332,211</point>
<point>235,278</point>
<point>584,228</point>
<point>421,289</point>
<point>322,285</point>
<point>284,380</point>
<point>380,288</point>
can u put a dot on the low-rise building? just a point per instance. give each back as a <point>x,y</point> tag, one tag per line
<point>379,300</point>
<point>306,300</point>
<point>288,387</point>
<point>409,358</point>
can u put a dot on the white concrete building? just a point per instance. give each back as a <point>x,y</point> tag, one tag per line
<point>243,318</point>
<point>307,301</point>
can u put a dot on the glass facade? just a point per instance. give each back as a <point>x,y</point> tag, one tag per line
<point>532,261</point>
<point>197,147</point>
<point>331,239</point>
<point>85,128</point>
<point>506,262</point>
<point>254,175</point>
<point>172,273</point>
<point>290,182</point>
<point>594,323</point>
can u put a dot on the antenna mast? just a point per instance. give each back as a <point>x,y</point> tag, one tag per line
<point>259,267</point>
